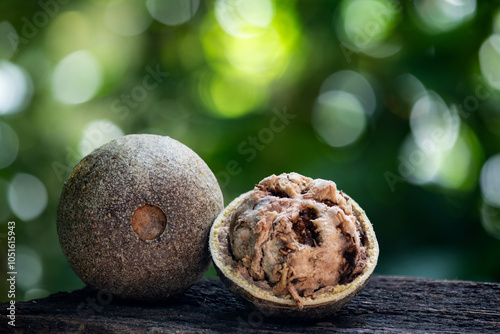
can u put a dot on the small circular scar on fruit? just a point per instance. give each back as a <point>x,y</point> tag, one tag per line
<point>294,247</point>
<point>148,222</point>
<point>134,217</point>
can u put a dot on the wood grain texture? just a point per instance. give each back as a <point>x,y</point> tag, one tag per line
<point>388,304</point>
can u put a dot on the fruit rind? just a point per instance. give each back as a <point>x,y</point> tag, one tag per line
<point>264,300</point>
<point>103,192</point>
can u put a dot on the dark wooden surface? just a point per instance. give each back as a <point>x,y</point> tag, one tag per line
<point>388,304</point>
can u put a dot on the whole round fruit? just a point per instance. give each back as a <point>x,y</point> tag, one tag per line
<point>294,247</point>
<point>134,217</point>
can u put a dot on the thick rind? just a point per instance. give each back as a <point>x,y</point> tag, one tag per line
<point>265,301</point>
<point>100,197</point>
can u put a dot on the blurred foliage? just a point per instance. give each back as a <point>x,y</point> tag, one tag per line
<point>398,102</point>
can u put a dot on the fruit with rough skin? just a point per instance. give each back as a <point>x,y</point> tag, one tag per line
<point>134,217</point>
<point>294,246</point>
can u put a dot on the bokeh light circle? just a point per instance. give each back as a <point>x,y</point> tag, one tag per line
<point>9,145</point>
<point>127,17</point>
<point>419,166</point>
<point>489,60</point>
<point>172,12</point>
<point>98,133</point>
<point>244,19</point>
<point>27,196</point>
<point>16,88</point>
<point>69,32</point>
<point>425,162</point>
<point>353,83</point>
<point>490,181</point>
<point>76,78</point>
<point>458,168</point>
<point>338,118</point>
<point>490,219</point>
<point>496,22</point>
<point>261,57</point>
<point>444,15</point>
<point>364,24</point>
<point>230,96</point>
<point>431,119</point>
<point>28,266</point>
<point>264,55</point>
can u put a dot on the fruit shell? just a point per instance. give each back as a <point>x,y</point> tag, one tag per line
<point>98,202</point>
<point>271,305</point>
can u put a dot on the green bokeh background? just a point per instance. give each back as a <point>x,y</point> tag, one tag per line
<point>231,70</point>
